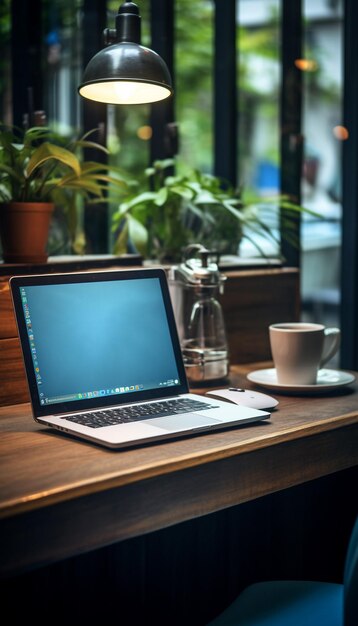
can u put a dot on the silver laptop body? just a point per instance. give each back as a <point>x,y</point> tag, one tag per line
<point>103,359</point>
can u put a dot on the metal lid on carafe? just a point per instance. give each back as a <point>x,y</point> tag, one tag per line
<point>198,270</point>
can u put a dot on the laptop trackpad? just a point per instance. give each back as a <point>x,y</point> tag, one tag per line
<point>184,421</point>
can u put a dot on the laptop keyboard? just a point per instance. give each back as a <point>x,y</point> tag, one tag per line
<point>135,413</point>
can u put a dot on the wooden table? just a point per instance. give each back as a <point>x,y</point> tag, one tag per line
<point>52,484</point>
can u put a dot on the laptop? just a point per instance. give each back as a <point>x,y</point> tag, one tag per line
<point>103,359</point>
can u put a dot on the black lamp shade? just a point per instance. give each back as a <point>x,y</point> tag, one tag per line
<point>126,72</point>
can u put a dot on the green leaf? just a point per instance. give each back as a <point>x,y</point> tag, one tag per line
<point>89,133</point>
<point>46,152</point>
<point>37,132</point>
<point>5,193</point>
<point>295,208</point>
<point>121,242</point>
<point>115,175</point>
<point>86,185</point>
<point>163,164</point>
<point>138,234</point>
<point>205,197</point>
<point>142,198</point>
<point>11,171</point>
<point>183,192</point>
<point>91,144</point>
<point>162,197</point>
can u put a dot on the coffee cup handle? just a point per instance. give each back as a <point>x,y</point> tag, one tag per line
<point>332,338</point>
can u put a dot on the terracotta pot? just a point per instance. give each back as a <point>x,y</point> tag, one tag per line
<point>24,228</point>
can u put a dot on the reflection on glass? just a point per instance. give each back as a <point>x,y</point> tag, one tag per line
<point>259,82</point>
<point>61,54</point>
<point>321,178</point>
<point>193,88</point>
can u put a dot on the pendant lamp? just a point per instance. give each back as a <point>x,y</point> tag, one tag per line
<point>125,72</point>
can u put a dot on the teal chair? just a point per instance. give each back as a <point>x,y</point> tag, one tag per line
<point>299,603</point>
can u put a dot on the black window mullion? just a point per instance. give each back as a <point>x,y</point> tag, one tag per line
<point>164,140</point>
<point>94,116</point>
<point>26,38</point>
<point>291,147</point>
<point>225,95</point>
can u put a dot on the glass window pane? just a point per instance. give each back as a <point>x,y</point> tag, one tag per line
<point>193,82</point>
<point>61,55</point>
<point>323,138</point>
<point>258,43</point>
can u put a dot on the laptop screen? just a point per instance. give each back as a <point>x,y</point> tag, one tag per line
<point>97,339</point>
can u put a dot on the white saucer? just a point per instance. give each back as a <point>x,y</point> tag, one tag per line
<point>327,380</point>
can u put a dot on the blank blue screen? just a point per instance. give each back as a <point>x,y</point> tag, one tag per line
<point>99,336</point>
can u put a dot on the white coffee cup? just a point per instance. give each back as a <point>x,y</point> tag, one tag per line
<point>299,350</point>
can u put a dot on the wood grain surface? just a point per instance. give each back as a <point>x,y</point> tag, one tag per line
<point>51,484</point>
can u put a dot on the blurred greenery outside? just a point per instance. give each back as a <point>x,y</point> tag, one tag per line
<point>194,57</point>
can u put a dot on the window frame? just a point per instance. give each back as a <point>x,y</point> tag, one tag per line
<point>25,74</point>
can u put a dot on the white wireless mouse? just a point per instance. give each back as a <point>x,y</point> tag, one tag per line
<point>245,397</point>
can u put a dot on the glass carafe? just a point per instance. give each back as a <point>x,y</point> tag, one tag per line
<point>204,345</point>
<point>195,286</point>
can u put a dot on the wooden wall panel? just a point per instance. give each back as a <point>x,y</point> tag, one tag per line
<point>13,385</point>
<point>7,320</point>
<point>253,300</point>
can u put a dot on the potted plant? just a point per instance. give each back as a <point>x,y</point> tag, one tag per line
<point>36,171</point>
<point>177,210</point>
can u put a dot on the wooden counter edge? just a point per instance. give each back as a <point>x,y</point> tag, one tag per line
<point>168,466</point>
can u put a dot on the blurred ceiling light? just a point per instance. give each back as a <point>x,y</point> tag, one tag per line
<point>306,65</point>
<point>125,72</point>
<point>341,132</point>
